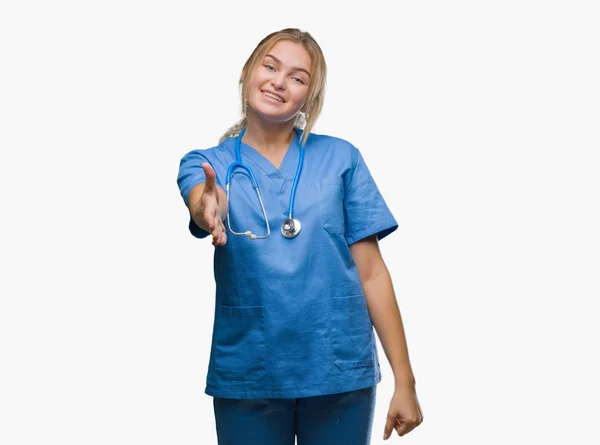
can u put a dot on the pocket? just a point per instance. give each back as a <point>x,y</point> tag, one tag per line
<point>351,332</point>
<point>239,350</point>
<point>330,193</point>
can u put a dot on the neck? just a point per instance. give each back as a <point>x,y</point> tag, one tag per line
<point>268,136</point>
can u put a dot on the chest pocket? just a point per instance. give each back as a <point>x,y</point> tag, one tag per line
<point>330,195</point>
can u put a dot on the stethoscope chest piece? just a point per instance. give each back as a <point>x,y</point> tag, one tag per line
<point>290,228</point>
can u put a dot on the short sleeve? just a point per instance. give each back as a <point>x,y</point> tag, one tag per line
<point>190,175</point>
<point>366,211</point>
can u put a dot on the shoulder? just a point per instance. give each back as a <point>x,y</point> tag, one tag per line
<point>206,154</point>
<point>334,144</point>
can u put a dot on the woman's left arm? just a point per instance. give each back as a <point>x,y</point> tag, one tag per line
<point>404,413</point>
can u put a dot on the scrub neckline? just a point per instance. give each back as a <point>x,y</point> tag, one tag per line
<point>288,164</point>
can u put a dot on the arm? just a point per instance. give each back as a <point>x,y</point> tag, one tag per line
<point>383,308</point>
<point>404,412</point>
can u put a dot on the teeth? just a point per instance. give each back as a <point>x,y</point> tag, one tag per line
<point>273,96</point>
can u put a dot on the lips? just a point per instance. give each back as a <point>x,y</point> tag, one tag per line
<point>273,95</point>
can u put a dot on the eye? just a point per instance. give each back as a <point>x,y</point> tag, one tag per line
<point>298,80</point>
<point>270,67</point>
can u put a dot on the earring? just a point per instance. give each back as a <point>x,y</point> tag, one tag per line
<point>300,120</point>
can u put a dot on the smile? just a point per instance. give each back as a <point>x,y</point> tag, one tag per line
<point>273,96</point>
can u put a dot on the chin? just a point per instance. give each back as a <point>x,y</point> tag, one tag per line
<point>275,118</point>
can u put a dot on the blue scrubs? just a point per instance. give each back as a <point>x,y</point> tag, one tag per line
<point>291,319</point>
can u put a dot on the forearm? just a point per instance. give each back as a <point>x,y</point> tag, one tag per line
<point>386,318</point>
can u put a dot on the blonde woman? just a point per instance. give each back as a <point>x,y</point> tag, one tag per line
<point>295,218</point>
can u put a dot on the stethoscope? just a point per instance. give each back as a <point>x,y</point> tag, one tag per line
<point>290,227</point>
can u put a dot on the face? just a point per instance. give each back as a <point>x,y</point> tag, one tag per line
<point>279,87</point>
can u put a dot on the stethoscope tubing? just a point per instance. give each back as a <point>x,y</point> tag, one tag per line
<point>239,164</point>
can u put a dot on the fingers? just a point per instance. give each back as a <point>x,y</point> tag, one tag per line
<point>406,427</point>
<point>397,428</point>
<point>211,195</point>
<point>218,232</point>
<point>211,214</point>
<point>401,427</point>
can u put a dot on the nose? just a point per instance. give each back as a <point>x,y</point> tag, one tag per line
<point>278,81</point>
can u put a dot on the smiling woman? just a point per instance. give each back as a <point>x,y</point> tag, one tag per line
<point>293,341</point>
<point>291,56</point>
<point>281,80</point>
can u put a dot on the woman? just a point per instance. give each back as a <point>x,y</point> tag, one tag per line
<point>300,281</point>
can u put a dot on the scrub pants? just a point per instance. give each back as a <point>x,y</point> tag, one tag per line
<point>345,418</point>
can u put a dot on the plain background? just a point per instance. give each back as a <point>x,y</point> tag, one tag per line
<point>479,121</point>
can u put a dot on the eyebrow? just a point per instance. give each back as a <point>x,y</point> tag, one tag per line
<point>295,68</point>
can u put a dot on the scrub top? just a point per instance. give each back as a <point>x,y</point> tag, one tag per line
<point>291,317</point>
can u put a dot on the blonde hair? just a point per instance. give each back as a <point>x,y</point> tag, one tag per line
<point>316,85</point>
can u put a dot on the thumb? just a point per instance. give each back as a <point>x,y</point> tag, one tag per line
<point>390,423</point>
<point>210,176</point>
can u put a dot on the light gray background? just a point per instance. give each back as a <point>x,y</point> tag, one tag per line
<point>479,121</point>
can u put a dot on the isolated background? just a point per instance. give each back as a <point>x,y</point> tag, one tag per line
<point>479,121</point>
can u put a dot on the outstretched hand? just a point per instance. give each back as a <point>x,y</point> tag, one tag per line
<point>209,206</point>
<point>404,413</point>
